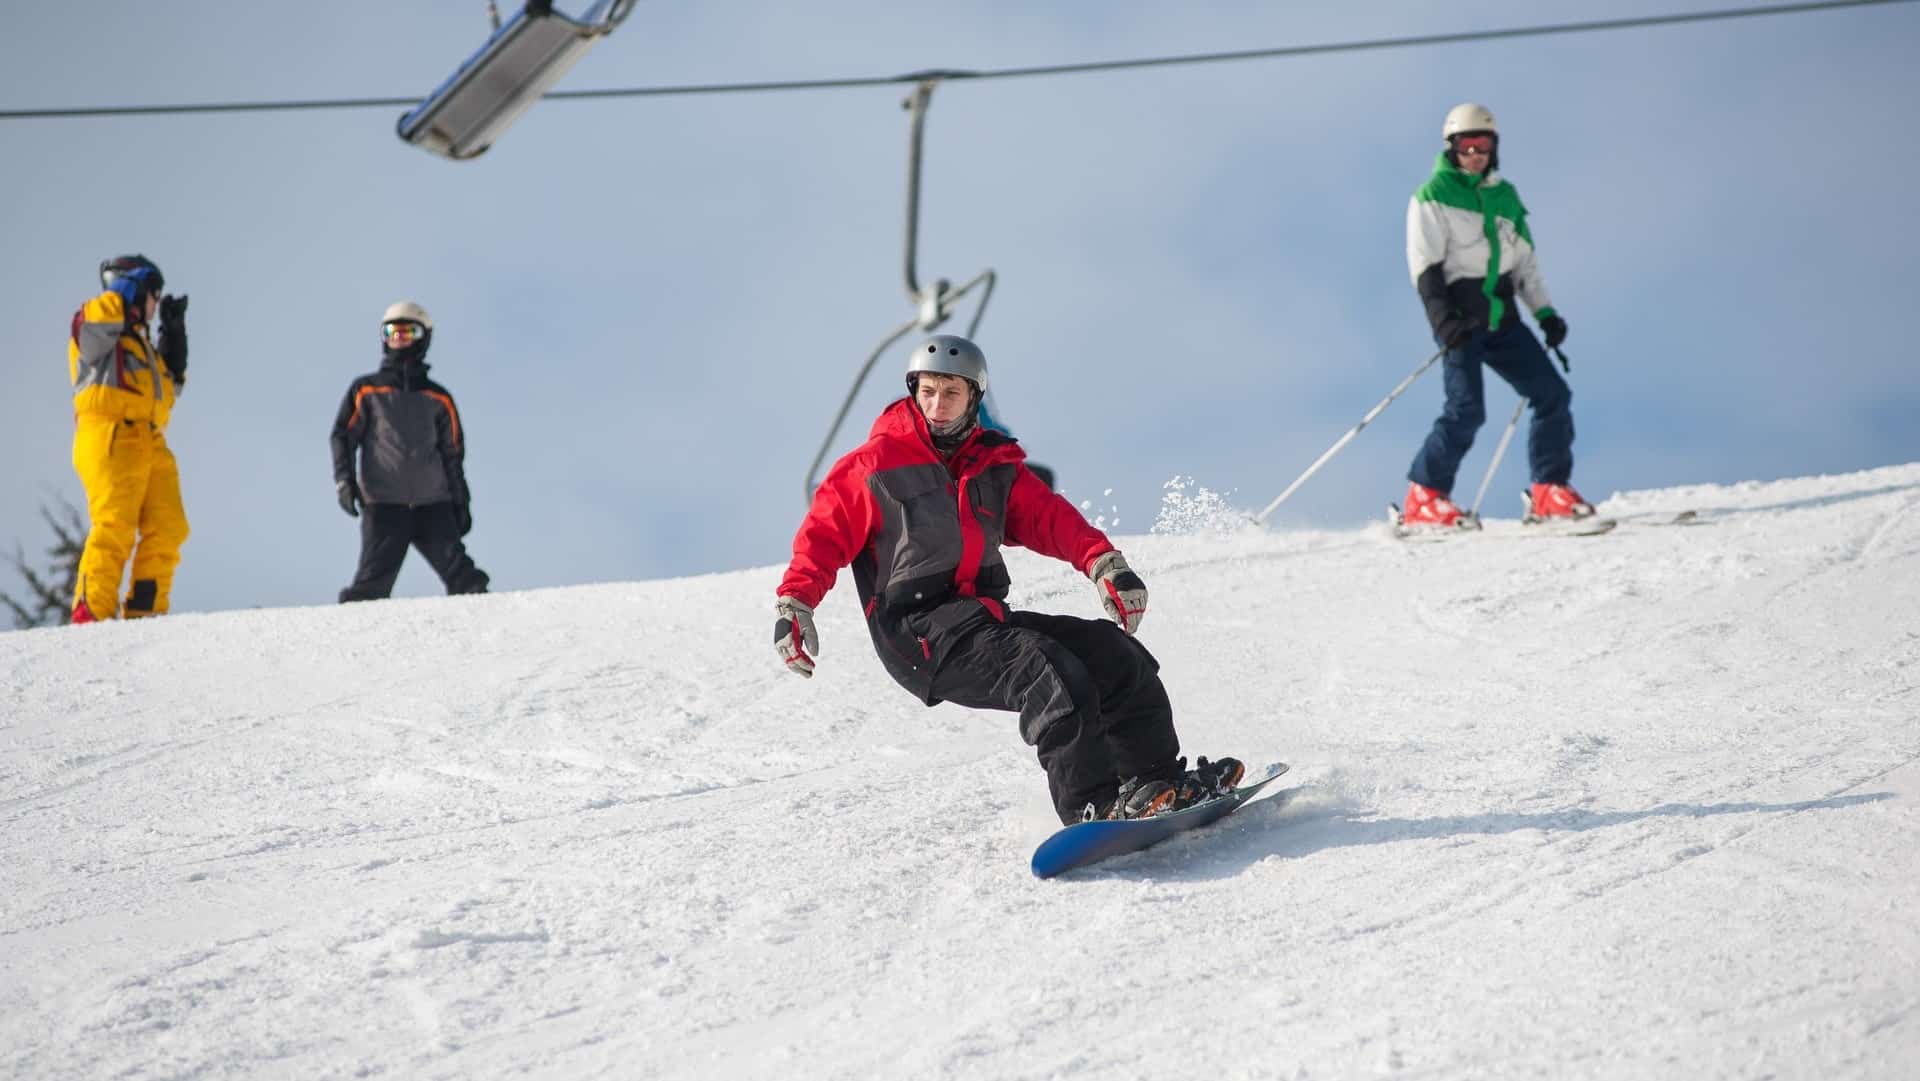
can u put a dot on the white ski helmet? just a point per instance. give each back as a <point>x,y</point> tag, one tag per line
<point>407,311</point>
<point>949,354</point>
<point>1467,117</point>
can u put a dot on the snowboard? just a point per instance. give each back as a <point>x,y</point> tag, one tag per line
<point>1090,842</point>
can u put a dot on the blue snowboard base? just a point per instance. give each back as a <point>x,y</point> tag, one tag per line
<point>1090,842</point>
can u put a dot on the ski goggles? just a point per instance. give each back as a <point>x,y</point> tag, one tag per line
<point>402,328</point>
<point>1473,144</point>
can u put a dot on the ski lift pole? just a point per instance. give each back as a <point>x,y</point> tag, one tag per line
<point>1261,518</point>
<point>985,277</point>
<point>1498,452</point>
<point>934,301</point>
<point>916,103</point>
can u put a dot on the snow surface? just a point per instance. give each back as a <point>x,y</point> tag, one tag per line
<point>1636,806</point>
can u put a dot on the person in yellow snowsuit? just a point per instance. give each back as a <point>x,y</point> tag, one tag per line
<point>124,387</point>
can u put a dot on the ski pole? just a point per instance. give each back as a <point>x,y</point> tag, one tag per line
<point>1347,438</point>
<point>1498,452</point>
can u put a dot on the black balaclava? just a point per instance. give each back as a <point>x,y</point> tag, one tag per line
<point>410,360</point>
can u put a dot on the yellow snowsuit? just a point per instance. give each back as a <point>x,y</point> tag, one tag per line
<point>122,398</point>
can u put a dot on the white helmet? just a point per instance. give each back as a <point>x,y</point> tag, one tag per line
<point>949,354</point>
<point>1468,117</point>
<point>407,311</point>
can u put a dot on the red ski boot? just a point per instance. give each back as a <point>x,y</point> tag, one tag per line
<point>1426,507</point>
<point>1556,501</point>
<point>81,613</point>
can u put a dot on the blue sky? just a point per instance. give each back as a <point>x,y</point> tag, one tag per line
<point>649,309</point>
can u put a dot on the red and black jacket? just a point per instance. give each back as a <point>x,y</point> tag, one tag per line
<point>923,537</point>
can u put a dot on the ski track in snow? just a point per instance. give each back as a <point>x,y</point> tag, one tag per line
<point>1632,806</point>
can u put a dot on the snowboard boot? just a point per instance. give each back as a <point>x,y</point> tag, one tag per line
<point>1139,797</point>
<point>1556,501</point>
<point>81,613</point>
<point>1430,508</point>
<point>1210,779</point>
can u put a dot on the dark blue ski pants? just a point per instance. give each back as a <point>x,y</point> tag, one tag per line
<point>1515,356</point>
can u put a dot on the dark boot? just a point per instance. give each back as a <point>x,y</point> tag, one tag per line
<point>1208,780</point>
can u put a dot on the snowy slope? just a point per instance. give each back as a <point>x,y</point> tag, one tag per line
<point>1638,806</point>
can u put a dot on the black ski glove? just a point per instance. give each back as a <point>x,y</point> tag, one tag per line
<point>1453,331</point>
<point>349,497</point>
<point>173,337</point>
<point>463,517</point>
<point>1555,330</point>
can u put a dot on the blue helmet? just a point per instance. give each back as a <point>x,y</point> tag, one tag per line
<point>145,278</point>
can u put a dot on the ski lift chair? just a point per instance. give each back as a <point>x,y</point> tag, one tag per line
<point>517,65</point>
<point>933,302</point>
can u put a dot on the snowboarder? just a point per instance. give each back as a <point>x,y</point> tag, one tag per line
<point>412,480</point>
<point>1471,253</point>
<point>124,387</point>
<point>920,511</point>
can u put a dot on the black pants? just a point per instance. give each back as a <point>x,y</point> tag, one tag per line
<point>386,529</point>
<point>1089,697</point>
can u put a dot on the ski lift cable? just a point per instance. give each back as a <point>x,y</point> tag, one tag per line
<point>1284,52</point>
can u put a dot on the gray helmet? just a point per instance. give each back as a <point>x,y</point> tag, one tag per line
<point>949,354</point>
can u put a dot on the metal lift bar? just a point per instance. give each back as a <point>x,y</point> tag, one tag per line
<point>519,63</point>
<point>935,301</point>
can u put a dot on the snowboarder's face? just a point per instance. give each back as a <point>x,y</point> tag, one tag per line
<point>942,398</point>
<point>1473,152</point>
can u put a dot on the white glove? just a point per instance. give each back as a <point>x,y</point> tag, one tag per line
<point>1122,592</point>
<point>794,636</point>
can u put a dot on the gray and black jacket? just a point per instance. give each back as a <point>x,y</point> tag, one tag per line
<point>408,432</point>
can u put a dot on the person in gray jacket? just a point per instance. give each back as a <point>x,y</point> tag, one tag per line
<point>411,485</point>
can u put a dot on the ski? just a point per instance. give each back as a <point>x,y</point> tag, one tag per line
<point>1469,523</point>
<point>1589,524</point>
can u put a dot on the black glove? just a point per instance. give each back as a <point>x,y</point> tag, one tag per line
<point>173,336</point>
<point>1453,331</point>
<point>349,497</point>
<point>1555,330</point>
<point>463,517</point>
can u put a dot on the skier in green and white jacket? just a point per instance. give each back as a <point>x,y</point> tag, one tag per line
<point>1471,256</point>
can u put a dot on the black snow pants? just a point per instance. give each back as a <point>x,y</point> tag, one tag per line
<point>1089,698</point>
<point>387,529</point>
